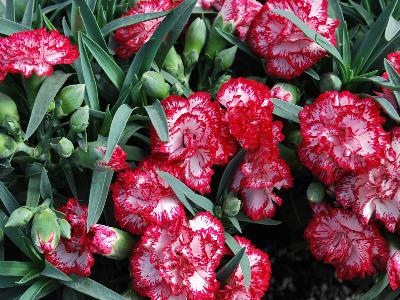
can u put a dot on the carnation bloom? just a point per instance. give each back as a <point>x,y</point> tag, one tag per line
<point>376,192</point>
<point>132,38</point>
<point>198,138</point>
<point>338,237</point>
<point>288,52</point>
<point>117,161</point>
<point>141,197</point>
<point>179,262</point>
<point>341,133</point>
<point>240,13</point>
<point>75,255</point>
<point>249,111</point>
<point>260,275</point>
<point>393,269</point>
<point>207,4</point>
<point>35,51</point>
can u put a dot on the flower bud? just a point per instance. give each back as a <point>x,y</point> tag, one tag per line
<point>89,158</point>
<point>330,82</point>
<point>220,81</point>
<point>45,232</point>
<point>52,106</point>
<point>8,110</point>
<point>80,120</point>
<point>286,92</point>
<point>155,85</point>
<point>231,206</point>
<point>7,146</point>
<point>20,217</point>
<point>176,89</point>
<point>64,147</point>
<point>122,245</point>
<point>315,192</point>
<point>216,43</point>
<point>173,64</point>
<point>69,99</point>
<point>225,59</point>
<point>65,228</point>
<point>194,41</point>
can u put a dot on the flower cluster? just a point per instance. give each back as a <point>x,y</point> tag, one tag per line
<point>35,51</point>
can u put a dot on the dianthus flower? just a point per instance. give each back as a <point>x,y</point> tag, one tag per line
<point>393,269</point>
<point>376,192</point>
<point>75,255</point>
<point>338,237</point>
<point>260,275</point>
<point>198,138</point>
<point>341,133</point>
<point>249,111</point>
<point>394,59</point>
<point>179,262</point>
<point>35,51</point>
<point>141,197</point>
<point>240,14</point>
<point>117,161</point>
<point>288,52</point>
<point>207,4</point>
<point>132,38</point>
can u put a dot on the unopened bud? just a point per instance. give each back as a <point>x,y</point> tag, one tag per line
<point>216,43</point>
<point>45,232</point>
<point>286,92</point>
<point>80,120</point>
<point>89,158</point>
<point>155,85</point>
<point>64,147</point>
<point>194,41</point>
<point>7,146</point>
<point>315,192</point>
<point>173,64</point>
<point>8,112</point>
<point>65,228</point>
<point>225,59</point>
<point>122,246</point>
<point>69,99</point>
<point>20,217</point>
<point>231,206</point>
<point>330,82</point>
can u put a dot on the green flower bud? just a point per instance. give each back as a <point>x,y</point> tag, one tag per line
<point>330,82</point>
<point>155,85</point>
<point>286,92</point>
<point>64,147</point>
<point>52,106</point>
<point>231,206</point>
<point>176,89</point>
<point>89,158</point>
<point>69,99</point>
<point>45,232</point>
<point>315,192</point>
<point>216,43</point>
<point>80,119</point>
<point>225,59</point>
<point>7,146</point>
<point>65,228</point>
<point>173,64</point>
<point>194,41</point>
<point>122,246</point>
<point>8,109</point>
<point>20,217</point>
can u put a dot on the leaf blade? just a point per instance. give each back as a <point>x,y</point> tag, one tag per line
<point>159,120</point>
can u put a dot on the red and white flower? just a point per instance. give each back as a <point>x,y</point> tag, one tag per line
<point>132,38</point>
<point>288,52</point>
<point>36,51</point>
<point>179,262</point>
<point>141,197</point>
<point>208,4</point>
<point>341,133</point>
<point>240,14</point>
<point>338,237</point>
<point>117,161</point>
<point>376,192</point>
<point>393,269</point>
<point>198,138</point>
<point>260,275</point>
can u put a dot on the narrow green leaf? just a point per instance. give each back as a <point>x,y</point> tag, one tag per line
<point>52,272</point>
<point>243,218</point>
<point>134,153</point>
<point>57,6</point>
<point>244,261</point>
<point>372,38</point>
<point>129,130</point>
<point>106,62</point>
<point>33,194</point>
<point>118,124</point>
<point>7,282</point>
<point>316,37</point>
<point>230,267</point>
<point>388,108</point>
<point>383,82</point>
<point>173,80</point>
<point>125,95</point>
<point>239,43</point>
<point>235,223</point>
<point>159,120</point>
<point>8,199</point>
<point>10,10</point>
<point>392,28</point>
<point>312,73</point>
<point>8,27</point>
<point>179,189</point>
<point>376,290</point>
<point>200,201</point>
<point>286,110</point>
<point>91,25</point>
<point>228,174</point>
<point>46,94</point>
<point>92,288</point>
<point>33,292</point>
<point>131,20</point>
<point>336,12</point>
<point>32,274</point>
<point>15,268</point>
<point>88,76</point>
<point>394,78</point>
<point>379,54</point>
<point>48,23</point>
<point>368,18</point>
<point>101,180</point>
<point>45,185</point>
<point>69,175</point>
<point>28,14</point>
